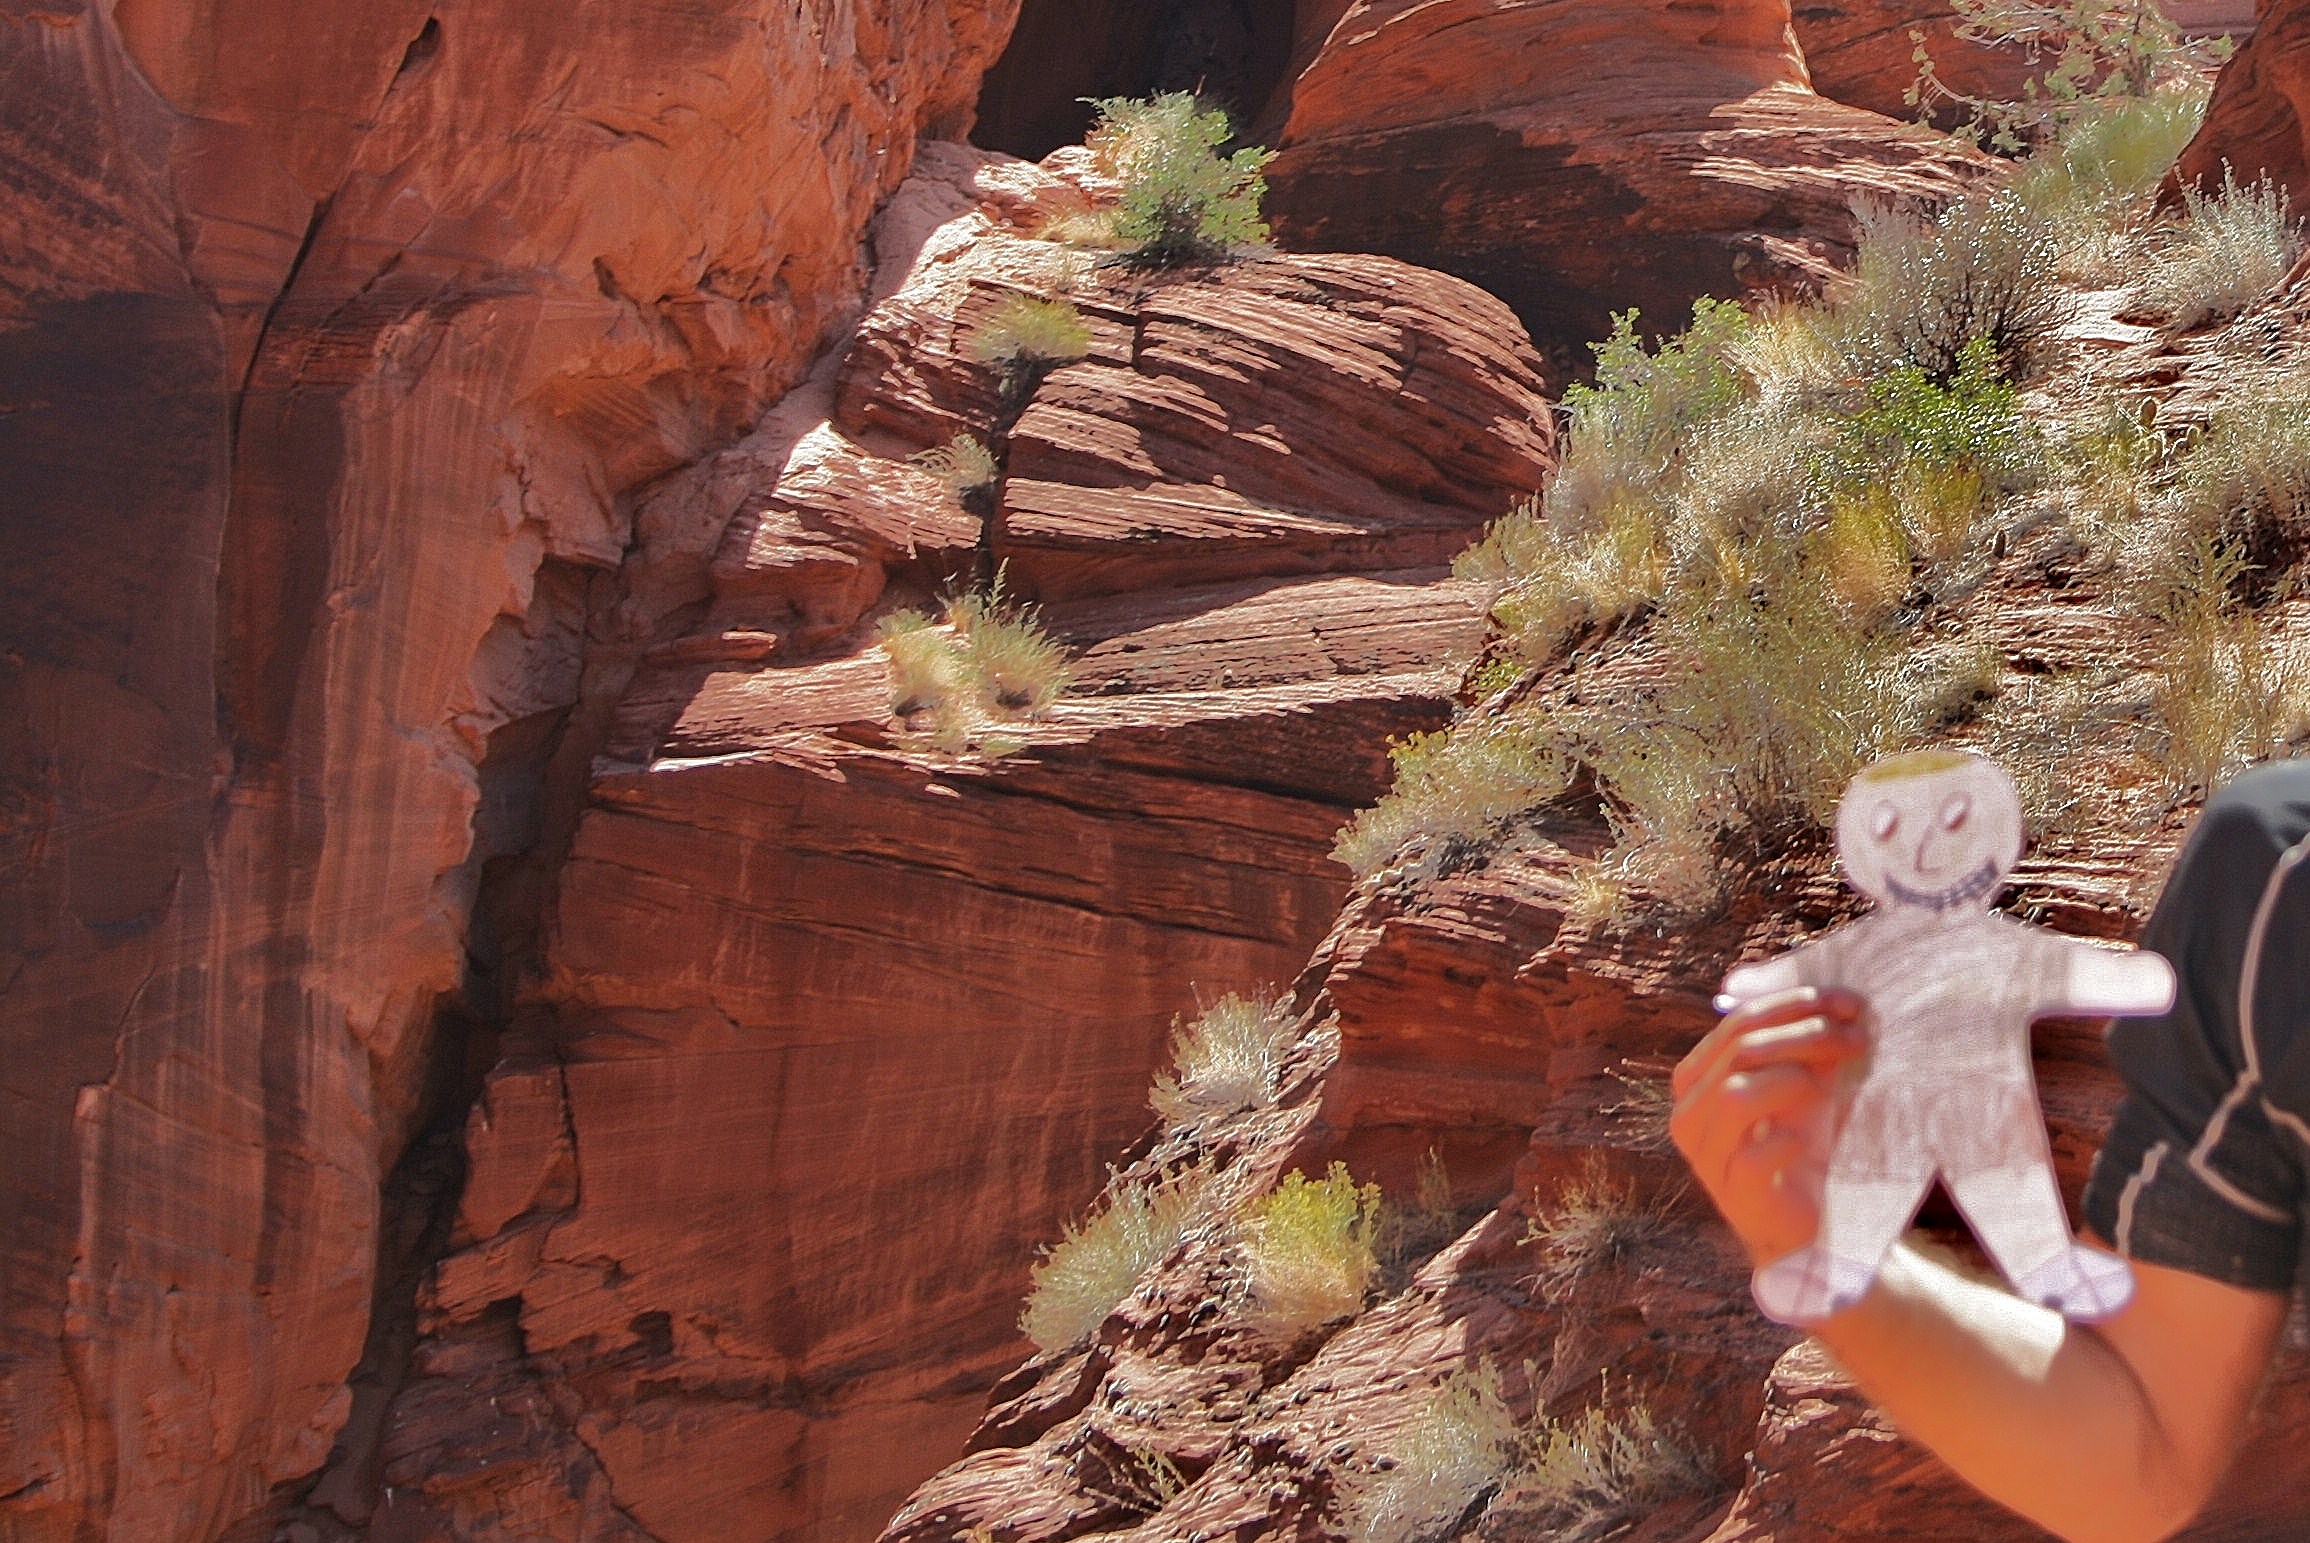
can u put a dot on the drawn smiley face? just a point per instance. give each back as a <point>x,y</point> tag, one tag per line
<point>1934,829</point>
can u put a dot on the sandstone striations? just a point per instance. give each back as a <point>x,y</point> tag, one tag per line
<point>2258,123</point>
<point>1577,158</point>
<point>334,339</point>
<point>1864,53</point>
<point>839,1026</point>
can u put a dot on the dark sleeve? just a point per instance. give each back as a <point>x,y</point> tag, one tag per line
<point>2203,1169</point>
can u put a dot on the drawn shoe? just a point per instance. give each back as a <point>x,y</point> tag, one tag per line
<point>2080,1283</point>
<point>1808,1286</point>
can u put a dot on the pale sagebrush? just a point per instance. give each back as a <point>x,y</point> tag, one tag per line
<point>2231,248</point>
<point>1596,1222</point>
<point>1460,786</point>
<point>1454,1453</point>
<point>1227,1060</point>
<point>964,466</point>
<point>1923,287</point>
<point>1604,1464</point>
<point>1085,1276</point>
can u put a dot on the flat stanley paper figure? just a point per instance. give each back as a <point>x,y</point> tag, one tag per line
<point>1952,987</point>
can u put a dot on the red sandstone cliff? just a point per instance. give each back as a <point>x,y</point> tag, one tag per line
<point>839,1027</point>
<point>332,340</point>
<point>1578,158</point>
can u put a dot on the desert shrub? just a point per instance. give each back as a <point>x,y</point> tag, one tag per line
<point>1770,696</point>
<point>1227,1060</point>
<point>1307,1248</point>
<point>1464,1452</point>
<point>1452,1455</point>
<point>1135,1479</point>
<point>1462,786</point>
<point>924,666</point>
<point>1550,581</point>
<point>1764,522</point>
<point>1086,1274</point>
<point>1596,1222</point>
<point>992,661</point>
<point>2221,695</point>
<point>1016,665</point>
<point>2114,153</point>
<point>2231,249</point>
<point>965,467</point>
<point>2094,52</point>
<point>1627,430</point>
<point>1915,468</point>
<point>1182,201</point>
<point>2110,466</point>
<point>2246,483</point>
<point>1413,1231</point>
<point>1025,337</point>
<point>1925,287</point>
<point>1602,1465</point>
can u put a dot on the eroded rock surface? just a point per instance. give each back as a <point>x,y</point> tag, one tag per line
<point>839,1027</point>
<point>333,339</point>
<point>1577,158</point>
<point>2258,123</point>
<point>1864,53</point>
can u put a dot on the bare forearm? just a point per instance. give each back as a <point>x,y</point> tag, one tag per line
<point>2049,1418</point>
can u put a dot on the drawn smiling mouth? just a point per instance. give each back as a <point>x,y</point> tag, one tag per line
<point>1977,885</point>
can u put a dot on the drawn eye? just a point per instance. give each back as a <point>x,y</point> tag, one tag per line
<point>1883,821</point>
<point>1953,813</point>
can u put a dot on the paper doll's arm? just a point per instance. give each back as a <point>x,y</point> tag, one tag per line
<point>2129,983</point>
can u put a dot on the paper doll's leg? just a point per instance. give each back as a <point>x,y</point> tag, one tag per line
<point>1861,1219</point>
<point>2015,1212</point>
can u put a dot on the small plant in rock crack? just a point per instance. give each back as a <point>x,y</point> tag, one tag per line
<point>992,661</point>
<point>1581,1477</point>
<point>967,469</point>
<point>1015,663</point>
<point>1226,1061</point>
<point>1464,1459</point>
<point>1411,1232</point>
<point>1307,1250</point>
<point>1025,338</point>
<point>1086,1274</point>
<point>1596,1223</point>
<point>1458,787</point>
<point>1182,201</point>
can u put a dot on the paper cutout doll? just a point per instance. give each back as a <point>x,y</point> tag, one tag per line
<point>1947,1090</point>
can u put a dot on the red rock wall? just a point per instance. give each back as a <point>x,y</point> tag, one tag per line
<point>1577,157</point>
<point>840,1029</point>
<point>331,339</point>
<point>2258,123</point>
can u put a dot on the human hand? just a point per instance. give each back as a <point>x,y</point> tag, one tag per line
<point>1757,1104</point>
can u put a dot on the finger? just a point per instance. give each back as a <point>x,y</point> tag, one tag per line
<point>1783,1008</point>
<point>1746,1107</point>
<point>1822,1043</point>
<point>1771,1196</point>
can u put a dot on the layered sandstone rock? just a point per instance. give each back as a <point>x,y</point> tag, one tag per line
<point>2258,123</point>
<point>1578,158</point>
<point>840,1028</point>
<point>1864,53</point>
<point>334,338</point>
